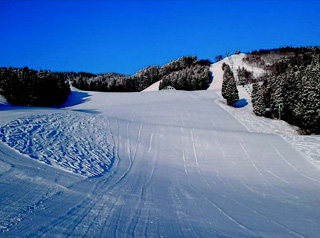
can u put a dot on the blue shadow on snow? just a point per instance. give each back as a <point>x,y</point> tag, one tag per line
<point>240,103</point>
<point>75,98</point>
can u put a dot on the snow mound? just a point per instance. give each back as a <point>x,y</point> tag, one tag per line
<point>74,143</point>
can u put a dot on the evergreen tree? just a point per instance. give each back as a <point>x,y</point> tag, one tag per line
<point>309,104</point>
<point>244,76</point>
<point>229,88</point>
<point>258,100</point>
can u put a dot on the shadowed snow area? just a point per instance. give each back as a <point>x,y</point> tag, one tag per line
<point>170,164</point>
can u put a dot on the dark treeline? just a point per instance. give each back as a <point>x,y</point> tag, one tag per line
<point>185,73</point>
<point>26,87</point>
<point>291,89</point>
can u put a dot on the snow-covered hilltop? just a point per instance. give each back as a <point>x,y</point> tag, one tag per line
<point>236,61</point>
<point>170,164</point>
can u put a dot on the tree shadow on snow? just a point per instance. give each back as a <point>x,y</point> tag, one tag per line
<point>75,98</point>
<point>91,111</point>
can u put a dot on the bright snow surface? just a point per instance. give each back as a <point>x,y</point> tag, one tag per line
<point>151,164</point>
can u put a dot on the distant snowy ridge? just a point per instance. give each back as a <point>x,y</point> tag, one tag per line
<point>71,142</point>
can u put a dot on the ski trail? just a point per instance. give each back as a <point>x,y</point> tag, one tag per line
<point>264,178</point>
<point>251,161</point>
<point>290,231</point>
<point>143,194</point>
<point>222,211</point>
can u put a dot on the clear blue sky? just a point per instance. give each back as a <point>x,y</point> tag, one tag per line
<point>125,36</point>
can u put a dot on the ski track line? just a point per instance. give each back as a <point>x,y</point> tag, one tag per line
<point>264,179</point>
<point>253,164</point>
<point>261,214</point>
<point>119,181</point>
<point>199,172</point>
<point>133,225</point>
<point>129,169</point>
<point>87,210</point>
<point>211,202</point>
<point>184,158</point>
<point>294,168</point>
<point>221,210</point>
<point>240,203</point>
<point>107,200</point>
<point>186,171</point>
<point>224,213</point>
<point>290,231</point>
<point>208,185</point>
<point>282,179</point>
<point>123,176</point>
<point>85,203</point>
<point>143,193</point>
<point>111,187</point>
<point>189,226</point>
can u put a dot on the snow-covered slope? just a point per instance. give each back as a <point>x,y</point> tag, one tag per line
<point>234,60</point>
<point>153,87</point>
<point>182,166</point>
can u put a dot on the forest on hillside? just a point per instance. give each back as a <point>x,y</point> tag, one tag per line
<point>291,88</point>
<point>27,87</point>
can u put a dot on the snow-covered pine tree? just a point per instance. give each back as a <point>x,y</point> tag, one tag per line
<point>244,76</point>
<point>254,92</point>
<point>309,104</point>
<point>229,89</point>
<point>258,100</point>
<point>279,104</point>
